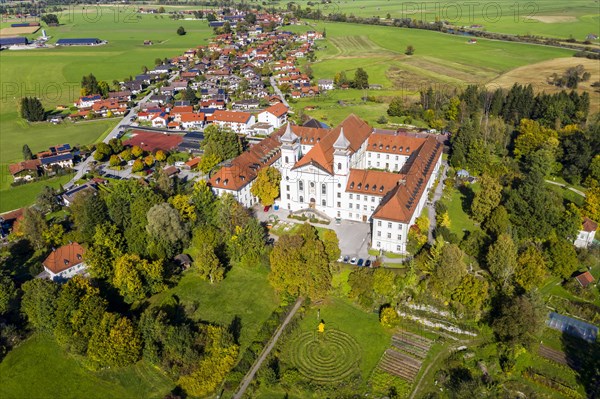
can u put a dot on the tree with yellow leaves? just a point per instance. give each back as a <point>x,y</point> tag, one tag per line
<point>266,185</point>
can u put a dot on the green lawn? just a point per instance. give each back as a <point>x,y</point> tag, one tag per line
<point>577,18</point>
<point>244,292</point>
<point>40,369</point>
<point>460,222</point>
<point>16,197</point>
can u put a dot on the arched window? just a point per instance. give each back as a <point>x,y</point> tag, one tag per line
<point>301,186</point>
<point>312,184</point>
<point>339,166</point>
<point>323,188</point>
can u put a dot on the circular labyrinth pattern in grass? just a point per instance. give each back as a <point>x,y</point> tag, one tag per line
<point>331,356</point>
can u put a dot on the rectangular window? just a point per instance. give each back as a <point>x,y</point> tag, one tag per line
<point>350,214</point>
<point>358,206</point>
<point>378,244</point>
<point>358,196</point>
<point>339,214</point>
<point>387,156</point>
<point>396,157</point>
<point>389,235</point>
<point>389,225</point>
<point>323,189</point>
<point>369,163</point>
<point>398,248</point>
<point>378,155</point>
<point>287,187</point>
<point>369,154</point>
<point>288,196</point>
<point>399,237</point>
<point>379,223</point>
<point>350,196</point>
<point>378,164</point>
<point>379,234</point>
<point>351,205</point>
<point>339,195</point>
<point>399,226</point>
<point>372,199</point>
<point>339,204</point>
<point>372,208</point>
<point>364,207</point>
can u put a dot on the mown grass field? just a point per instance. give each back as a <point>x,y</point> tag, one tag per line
<point>244,292</point>
<point>54,75</point>
<point>550,18</point>
<point>40,369</point>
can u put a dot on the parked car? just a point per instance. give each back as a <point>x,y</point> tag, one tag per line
<point>340,259</point>
<point>353,261</point>
<point>266,208</point>
<point>346,259</point>
<point>271,241</point>
<point>361,261</point>
<point>368,263</point>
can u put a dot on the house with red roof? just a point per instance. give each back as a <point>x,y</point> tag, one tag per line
<point>587,234</point>
<point>585,279</point>
<point>25,170</point>
<point>276,115</point>
<point>239,122</point>
<point>65,262</point>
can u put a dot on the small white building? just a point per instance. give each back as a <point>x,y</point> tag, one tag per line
<point>586,234</point>
<point>326,84</point>
<point>65,262</point>
<point>275,115</point>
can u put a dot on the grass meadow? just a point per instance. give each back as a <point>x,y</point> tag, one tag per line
<point>54,75</point>
<point>40,369</point>
<point>549,18</point>
<point>443,61</point>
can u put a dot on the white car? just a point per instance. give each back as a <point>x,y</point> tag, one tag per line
<point>353,261</point>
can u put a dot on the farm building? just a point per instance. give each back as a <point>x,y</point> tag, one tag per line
<point>78,42</point>
<point>11,41</point>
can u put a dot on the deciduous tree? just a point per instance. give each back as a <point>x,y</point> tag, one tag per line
<point>39,303</point>
<point>114,342</point>
<point>502,260</point>
<point>486,199</point>
<point>266,185</point>
<point>531,268</point>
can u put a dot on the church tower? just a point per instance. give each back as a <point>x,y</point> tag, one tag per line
<point>341,155</point>
<point>290,148</point>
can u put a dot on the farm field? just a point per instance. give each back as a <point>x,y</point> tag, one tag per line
<point>551,18</point>
<point>40,369</point>
<point>54,74</point>
<point>443,61</point>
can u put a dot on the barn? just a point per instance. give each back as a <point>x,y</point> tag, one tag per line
<point>10,41</point>
<point>78,42</point>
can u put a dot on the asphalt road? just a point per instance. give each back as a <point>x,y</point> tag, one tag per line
<point>278,92</point>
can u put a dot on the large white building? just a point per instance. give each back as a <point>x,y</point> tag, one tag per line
<point>349,172</point>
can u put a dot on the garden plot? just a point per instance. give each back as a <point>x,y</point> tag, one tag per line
<point>405,358</point>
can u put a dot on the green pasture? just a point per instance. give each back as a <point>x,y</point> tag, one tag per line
<point>40,369</point>
<point>550,18</point>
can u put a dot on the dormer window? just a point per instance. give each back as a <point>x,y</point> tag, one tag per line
<point>380,146</point>
<point>387,147</point>
<point>374,187</point>
<point>381,189</point>
<point>400,149</point>
<point>367,186</point>
<point>359,186</point>
<point>394,148</point>
<point>79,256</point>
<point>352,185</point>
<point>66,262</point>
<point>374,145</point>
<point>218,180</point>
<point>407,149</point>
<point>225,182</point>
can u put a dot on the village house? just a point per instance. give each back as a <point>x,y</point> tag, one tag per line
<point>68,196</point>
<point>275,115</point>
<point>239,122</point>
<point>325,84</point>
<point>65,262</point>
<point>586,235</point>
<point>60,161</point>
<point>87,101</point>
<point>25,170</point>
<point>584,279</point>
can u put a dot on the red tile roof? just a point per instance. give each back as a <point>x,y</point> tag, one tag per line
<point>32,164</point>
<point>64,257</point>
<point>181,109</point>
<point>278,109</point>
<point>585,279</point>
<point>372,182</point>
<point>399,144</point>
<point>402,201</point>
<point>243,169</point>
<point>355,130</point>
<point>589,225</point>
<point>231,116</point>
